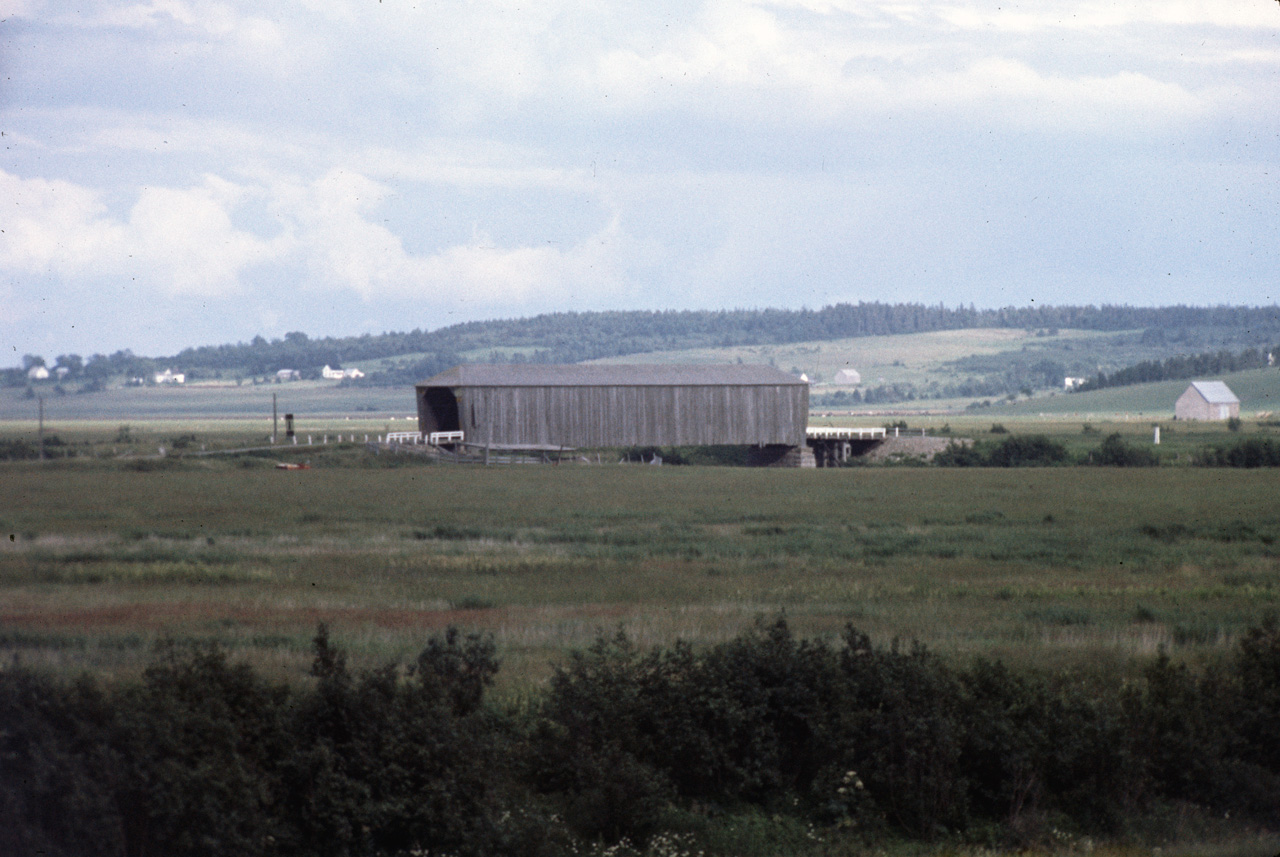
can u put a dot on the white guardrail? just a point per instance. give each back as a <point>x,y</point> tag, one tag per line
<point>436,438</point>
<point>840,433</point>
<point>404,437</point>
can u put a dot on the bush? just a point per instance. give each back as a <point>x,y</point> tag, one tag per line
<point>56,768</point>
<point>385,763</point>
<point>961,455</point>
<point>200,743</point>
<point>1027,451</point>
<point>594,733</point>
<point>1250,452</point>
<point>1114,452</point>
<point>16,449</point>
<point>752,741</point>
<point>1015,451</point>
<point>901,730</point>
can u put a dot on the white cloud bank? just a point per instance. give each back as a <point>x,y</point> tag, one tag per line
<point>178,240</point>
<point>184,242</point>
<point>518,158</point>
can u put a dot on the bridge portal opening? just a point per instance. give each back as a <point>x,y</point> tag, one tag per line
<point>437,410</point>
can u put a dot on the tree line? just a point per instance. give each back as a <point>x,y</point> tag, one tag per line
<point>572,337</point>
<point>1183,367</point>
<point>743,747</point>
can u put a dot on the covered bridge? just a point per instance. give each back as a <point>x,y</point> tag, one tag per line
<point>522,405</point>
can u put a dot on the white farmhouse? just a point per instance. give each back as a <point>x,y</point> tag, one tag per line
<point>339,374</point>
<point>168,376</point>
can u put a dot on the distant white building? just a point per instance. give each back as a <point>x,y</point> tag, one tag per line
<point>168,376</point>
<point>38,373</point>
<point>1207,400</point>
<point>288,375</point>
<point>848,377</point>
<point>339,374</point>
<point>1071,383</point>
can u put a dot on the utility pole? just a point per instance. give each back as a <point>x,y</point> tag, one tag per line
<point>274,418</point>
<point>41,430</point>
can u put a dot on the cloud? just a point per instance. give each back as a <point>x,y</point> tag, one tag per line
<point>178,240</point>
<point>345,250</point>
<point>303,154</point>
<point>54,225</point>
<point>188,236</point>
<point>753,62</point>
<point>1092,102</point>
<point>193,19</point>
<point>184,241</point>
<point>1095,16</point>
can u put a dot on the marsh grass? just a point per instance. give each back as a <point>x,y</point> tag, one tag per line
<point>1083,565</point>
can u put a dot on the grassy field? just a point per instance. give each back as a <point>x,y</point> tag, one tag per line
<point>926,361</point>
<point>310,400</point>
<point>916,358</point>
<point>1048,566</point>
<point>1257,389</point>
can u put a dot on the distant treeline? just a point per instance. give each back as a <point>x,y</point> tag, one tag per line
<point>573,337</point>
<point>763,744</point>
<point>1182,367</point>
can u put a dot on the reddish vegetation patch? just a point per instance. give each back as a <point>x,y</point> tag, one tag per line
<point>170,617</point>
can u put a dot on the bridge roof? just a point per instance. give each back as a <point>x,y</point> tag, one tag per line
<point>610,375</point>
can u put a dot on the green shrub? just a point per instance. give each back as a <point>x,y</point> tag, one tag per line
<point>1258,666</point>
<point>743,747</point>
<point>901,730</point>
<point>1114,452</point>
<point>385,763</point>
<point>1250,452</point>
<point>56,768</point>
<point>1014,451</point>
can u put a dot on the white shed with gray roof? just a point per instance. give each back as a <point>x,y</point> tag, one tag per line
<point>1207,400</point>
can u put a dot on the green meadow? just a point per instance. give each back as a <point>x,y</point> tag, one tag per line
<point>1073,566</point>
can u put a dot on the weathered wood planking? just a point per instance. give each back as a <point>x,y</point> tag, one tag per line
<point>602,406</point>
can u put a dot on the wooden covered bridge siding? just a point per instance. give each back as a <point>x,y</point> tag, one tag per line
<point>603,406</point>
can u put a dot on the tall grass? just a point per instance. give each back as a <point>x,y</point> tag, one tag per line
<point>1063,564</point>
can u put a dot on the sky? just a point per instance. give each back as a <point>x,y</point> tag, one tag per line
<point>188,172</point>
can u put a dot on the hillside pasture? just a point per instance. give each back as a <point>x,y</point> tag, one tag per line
<point>912,358</point>
<point>1257,389</point>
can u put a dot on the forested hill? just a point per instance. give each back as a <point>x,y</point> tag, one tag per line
<point>572,337</point>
